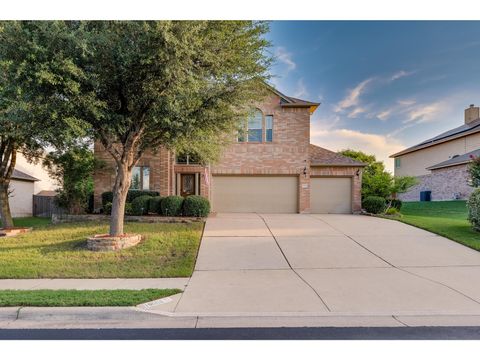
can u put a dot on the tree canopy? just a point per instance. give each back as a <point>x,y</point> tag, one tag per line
<point>138,85</point>
<point>376,180</point>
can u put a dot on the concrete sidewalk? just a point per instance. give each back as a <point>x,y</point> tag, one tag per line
<point>93,284</point>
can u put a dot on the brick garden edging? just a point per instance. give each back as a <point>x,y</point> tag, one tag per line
<point>112,243</point>
<point>14,231</point>
<point>146,219</point>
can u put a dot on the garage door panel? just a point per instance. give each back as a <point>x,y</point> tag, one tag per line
<point>268,194</point>
<point>331,195</point>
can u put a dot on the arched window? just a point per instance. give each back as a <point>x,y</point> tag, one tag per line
<point>257,128</point>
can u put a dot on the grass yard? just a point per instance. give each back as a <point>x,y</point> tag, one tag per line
<point>446,218</point>
<point>30,222</point>
<point>59,251</point>
<point>81,297</point>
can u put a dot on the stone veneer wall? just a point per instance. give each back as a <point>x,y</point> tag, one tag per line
<point>444,184</point>
<point>340,171</point>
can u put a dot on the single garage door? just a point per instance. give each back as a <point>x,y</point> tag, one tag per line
<point>267,194</point>
<point>331,195</point>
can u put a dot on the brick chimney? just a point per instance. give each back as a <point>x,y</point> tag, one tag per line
<point>472,113</point>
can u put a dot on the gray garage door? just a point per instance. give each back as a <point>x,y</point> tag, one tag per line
<point>267,194</point>
<point>331,195</point>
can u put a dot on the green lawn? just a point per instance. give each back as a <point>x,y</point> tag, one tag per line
<point>59,251</point>
<point>81,297</point>
<point>446,218</point>
<point>30,222</point>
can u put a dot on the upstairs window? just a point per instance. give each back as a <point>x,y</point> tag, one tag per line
<point>140,178</point>
<point>187,159</point>
<point>269,128</point>
<point>257,128</point>
<point>397,162</point>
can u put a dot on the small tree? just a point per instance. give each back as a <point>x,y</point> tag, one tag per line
<point>73,171</point>
<point>26,126</point>
<point>142,85</point>
<point>474,170</point>
<point>376,181</point>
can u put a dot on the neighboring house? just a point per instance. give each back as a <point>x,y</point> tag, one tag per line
<point>270,167</point>
<point>28,180</point>
<point>440,163</point>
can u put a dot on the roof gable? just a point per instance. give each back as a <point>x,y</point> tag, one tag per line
<point>323,157</point>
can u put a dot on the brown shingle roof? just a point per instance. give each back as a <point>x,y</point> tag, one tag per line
<point>323,157</point>
<point>288,101</point>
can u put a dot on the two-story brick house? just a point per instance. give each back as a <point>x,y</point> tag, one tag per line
<point>271,168</point>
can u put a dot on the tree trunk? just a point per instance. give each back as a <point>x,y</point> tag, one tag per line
<point>120,191</point>
<point>6,215</point>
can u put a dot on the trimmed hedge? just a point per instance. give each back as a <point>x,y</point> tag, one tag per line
<point>195,205</point>
<point>172,205</point>
<point>154,205</point>
<point>473,205</point>
<point>107,196</point>
<point>133,194</point>
<point>140,205</point>
<point>107,209</point>
<point>374,204</point>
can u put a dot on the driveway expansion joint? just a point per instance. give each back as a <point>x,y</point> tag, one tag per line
<point>288,262</point>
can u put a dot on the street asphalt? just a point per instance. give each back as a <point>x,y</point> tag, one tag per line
<point>375,333</point>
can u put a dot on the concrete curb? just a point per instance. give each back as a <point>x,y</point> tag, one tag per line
<point>132,317</point>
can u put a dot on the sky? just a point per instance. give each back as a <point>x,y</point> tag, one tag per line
<point>382,85</point>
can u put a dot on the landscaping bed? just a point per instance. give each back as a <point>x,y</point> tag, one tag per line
<point>82,297</point>
<point>59,251</point>
<point>445,218</point>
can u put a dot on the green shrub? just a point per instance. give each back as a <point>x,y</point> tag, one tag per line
<point>195,205</point>
<point>396,203</point>
<point>172,205</point>
<point>473,205</point>
<point>107,209</point>
<point>128,209</point>
<point>140,205</point>
<point>107,196</point>
<point>133,194</point>
<point>154,205</point>
<point>374,204</point>
<point>392,211</point>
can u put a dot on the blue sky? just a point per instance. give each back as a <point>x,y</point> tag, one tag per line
<point>383,85</point>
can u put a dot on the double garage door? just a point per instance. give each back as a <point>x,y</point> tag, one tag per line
<point>279,194</point>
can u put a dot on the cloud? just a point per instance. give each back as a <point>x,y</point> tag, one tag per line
<point>356,111</point>
<point>353,96</point>
<point>382,146</point>
<point>285,57</point>
<point>385,114</point>
<point>406,102</point>
<point>400,74</point>
<point>301,90</point>
<point>423,113</point>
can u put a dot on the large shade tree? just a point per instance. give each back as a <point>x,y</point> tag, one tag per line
<point>26,84</point>
<point>141,85</point>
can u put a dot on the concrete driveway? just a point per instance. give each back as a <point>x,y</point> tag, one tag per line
<point>329,264</point>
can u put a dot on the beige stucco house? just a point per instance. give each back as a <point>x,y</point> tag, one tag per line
<point>440,163</point>
<point>269,167</point>
<point>28,179</point>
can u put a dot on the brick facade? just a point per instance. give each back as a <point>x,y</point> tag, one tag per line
<point>447,183</point>
<point>287,154</point>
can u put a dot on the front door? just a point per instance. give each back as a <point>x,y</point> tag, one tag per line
<point>187,184</point>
